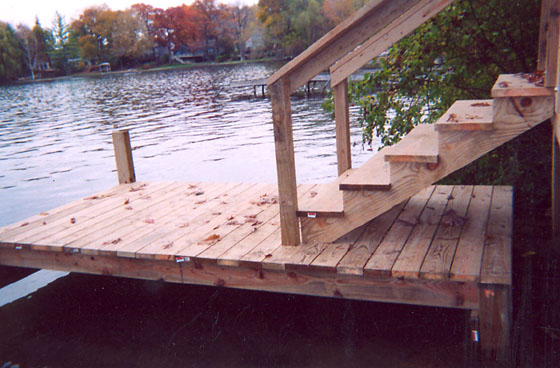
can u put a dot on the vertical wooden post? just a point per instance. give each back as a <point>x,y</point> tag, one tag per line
<point>123,157</point>
<point>495,322</point>
<point>543,34</point>
<point>342,117</point>
<point>556,171</point>
<point>285,161</point>
<point>553,35</point>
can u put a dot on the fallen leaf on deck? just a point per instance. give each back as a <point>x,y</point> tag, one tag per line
<point>114,241</point>
<point>312,194</point>
<point>44,222</point>
<point>250,217</point>
<point>192,186</point>
<point>223,202</point>
<point>135,189</point>
<point>184,225</point>
<point>230,218</point>
<point>233,222</point>
<point>212,237</point>
<point>471,117</point>
<point>73,220</point>
<point>24,224</point>
<point>168,245</point>
<point>503,85</point>
<point>450,197</point>
<point>92,197</point>
<point>128,208</point>
<point>149,221</point>
<point>268,255</point>
<point>215,227</point>
<point>480,104</point>
<point>126,201</point>
<point>198,193</point>
<point>44,214</point>
<point>452,118</point>
<point>216,214</point>
<point>200,202</point>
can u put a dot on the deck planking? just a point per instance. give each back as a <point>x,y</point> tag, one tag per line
<point>442,236</point>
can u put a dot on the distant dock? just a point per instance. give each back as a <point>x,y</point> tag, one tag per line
<point>323,79</point>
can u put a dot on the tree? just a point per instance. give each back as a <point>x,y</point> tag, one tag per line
<point>241,17</point>
<point>206,22</point>
<point>65,45</point>
<point>458,55</point>
<point>11,54</point>
<point>93,30</point>
<point>335,11</point>
<point>37,43</point>
<point>130,38</point>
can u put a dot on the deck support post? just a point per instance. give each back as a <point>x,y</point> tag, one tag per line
<point>123,157</point>
<point>342,117</point>
<point>495,322</point>
<point>556,178</point>
<point>285,162</point>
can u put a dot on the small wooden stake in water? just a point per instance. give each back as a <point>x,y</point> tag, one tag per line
<point>123,157</point>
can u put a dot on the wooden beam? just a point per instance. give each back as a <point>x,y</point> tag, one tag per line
<point>342,117</point>
<point>123,157</point>
<point>390,34</point>
<point>543,34</point>
<point>495,322</point>
<point>285,161</point>
<point>553,38</point>
<point>556,178</point>
<point>198,272</point>
<point>352,32</point>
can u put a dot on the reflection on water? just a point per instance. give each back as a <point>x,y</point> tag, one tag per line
<point>189,124</point>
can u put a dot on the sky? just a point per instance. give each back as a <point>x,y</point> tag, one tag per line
<point>25,11</point>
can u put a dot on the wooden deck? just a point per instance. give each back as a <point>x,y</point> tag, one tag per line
<point>435,249</point>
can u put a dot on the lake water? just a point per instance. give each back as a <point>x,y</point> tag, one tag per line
<point>185,124</point>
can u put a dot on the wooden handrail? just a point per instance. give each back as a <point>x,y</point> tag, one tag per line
<point>382,40</point>
<point>348,35</point>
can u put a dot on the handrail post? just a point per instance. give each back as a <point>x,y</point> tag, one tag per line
<point>342,118</point>
<point>123,157</point>
<point>285,162</point>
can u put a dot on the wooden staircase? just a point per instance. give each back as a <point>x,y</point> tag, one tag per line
<point>430,152</point>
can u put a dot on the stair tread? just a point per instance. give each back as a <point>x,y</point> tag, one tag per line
<point>467,115</point>
<point>325,200</point>
<point>372,175</point>
<point>519,85</point>
<point>420,145</point>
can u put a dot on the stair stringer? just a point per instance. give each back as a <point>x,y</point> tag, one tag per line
<point>512,117</point>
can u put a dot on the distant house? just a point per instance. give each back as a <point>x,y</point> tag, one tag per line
<point>104,67</point>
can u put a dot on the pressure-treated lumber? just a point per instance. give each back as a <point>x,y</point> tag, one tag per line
<point>519,85</point>
<point>420,145</point>
<point>467,115</point>
<point>123,157</point>
<point>342,120</point>
<point>345,37</point>
<point>456,149</point>
<point>325,200</point>
<point>372,175</point>
<point>553,42</point>
<point>495,322</point>
<point>383,39</point>
<point>285,162</point>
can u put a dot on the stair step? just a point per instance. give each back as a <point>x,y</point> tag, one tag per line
<point>520,85</point>
<point>467,115</point>
<point>372,175</point>
<point>420,145</point>
<point>325,200</point>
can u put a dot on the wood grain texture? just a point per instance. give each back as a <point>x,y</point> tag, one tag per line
<point>374,174</point>
<point>495,322</point>
<point>419,292</point>
<point>123,157</point>
<point>516,85</point>
<point>325,200</point>
<point>420,145</point>
<point>437,262</point>
<point>345,37</point>
<point>467,115</point>
<point>412,255</point>
<point>384,38</point>
<point>334,252</point>
<point>342,120</point>
<point>285,161</point>
<point>543,35</point>
<point>358,255</point>
<point>384,257</point>
<point>529,110</point>
<point>553,42</point>
<point>468,256</point>
<point>456,149</point>
<point>496,261</point>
